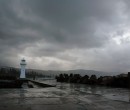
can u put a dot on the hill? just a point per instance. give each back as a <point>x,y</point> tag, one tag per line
<point>82,72</point>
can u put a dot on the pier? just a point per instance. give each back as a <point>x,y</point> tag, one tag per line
<point>41,84</point>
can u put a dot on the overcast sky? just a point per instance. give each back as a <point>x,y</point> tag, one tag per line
<point>66,34</point>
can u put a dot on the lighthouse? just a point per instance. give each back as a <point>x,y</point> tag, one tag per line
<point>23,65</point>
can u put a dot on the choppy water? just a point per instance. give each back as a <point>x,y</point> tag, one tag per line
<point>120,94</point>
<point>78,95</point>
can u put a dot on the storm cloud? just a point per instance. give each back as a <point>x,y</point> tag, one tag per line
<point>66,34</point>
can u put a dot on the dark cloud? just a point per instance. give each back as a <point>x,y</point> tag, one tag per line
<point>65,34</point>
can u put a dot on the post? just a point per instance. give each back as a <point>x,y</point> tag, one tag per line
<point>129,80</point>
<point>129,84</point>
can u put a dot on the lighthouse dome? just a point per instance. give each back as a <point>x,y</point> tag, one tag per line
<point>23,62</point>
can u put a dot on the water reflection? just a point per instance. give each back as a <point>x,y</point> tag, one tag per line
<point>108,92</point>
<point>22,96</point>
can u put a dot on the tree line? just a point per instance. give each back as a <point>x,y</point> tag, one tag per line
<point>112,81</point>
<point>14,73</point>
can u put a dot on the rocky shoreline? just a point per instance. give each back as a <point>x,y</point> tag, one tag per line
<point>121,80</point>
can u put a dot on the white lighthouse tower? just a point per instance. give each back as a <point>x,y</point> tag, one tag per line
<point>23,65</point>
